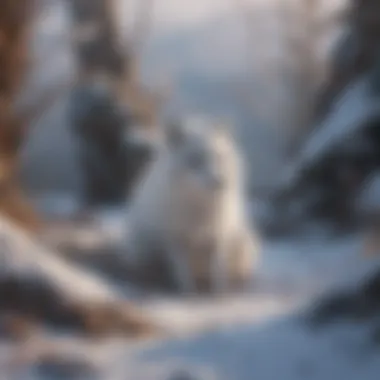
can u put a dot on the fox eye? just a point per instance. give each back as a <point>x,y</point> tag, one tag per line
<point>196,161</point>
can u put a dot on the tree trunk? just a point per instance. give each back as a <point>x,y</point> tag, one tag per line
<point>37,286</point>
<point>15,22</point>
<point>355,54</point>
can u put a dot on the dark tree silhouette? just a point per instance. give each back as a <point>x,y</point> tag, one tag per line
<point>355,53</point>
<point>107,104</point>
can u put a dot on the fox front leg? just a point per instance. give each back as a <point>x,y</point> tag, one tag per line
<point>220,268</point>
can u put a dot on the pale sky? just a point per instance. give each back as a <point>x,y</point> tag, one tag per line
<point>173,14</point>
<point>184,13</point>
<point>187,12</point>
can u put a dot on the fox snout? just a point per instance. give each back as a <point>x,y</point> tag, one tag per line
<point>217,182</point>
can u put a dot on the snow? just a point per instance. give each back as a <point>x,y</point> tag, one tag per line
<point>258,334</point>
<point>283,349</point>
<point>42,263</point>
<point>278,350</point>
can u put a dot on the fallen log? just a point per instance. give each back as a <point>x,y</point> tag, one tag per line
<point>39,286</point>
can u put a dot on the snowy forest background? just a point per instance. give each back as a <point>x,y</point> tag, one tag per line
<point>214,59</point>
<point>298,80</point>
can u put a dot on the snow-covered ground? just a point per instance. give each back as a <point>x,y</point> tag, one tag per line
<point>290,271</point>
<point>276,350</point>
<point>257,335</point>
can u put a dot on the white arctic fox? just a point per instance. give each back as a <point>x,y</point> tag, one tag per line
<point>187,212</point>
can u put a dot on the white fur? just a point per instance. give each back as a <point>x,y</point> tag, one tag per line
<point>176,209</point>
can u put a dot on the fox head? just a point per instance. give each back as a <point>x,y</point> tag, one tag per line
<point>202,153</point>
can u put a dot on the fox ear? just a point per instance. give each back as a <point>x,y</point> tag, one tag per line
<point>221,129</point>
<point>175,133</point>
<point>222,125</point>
